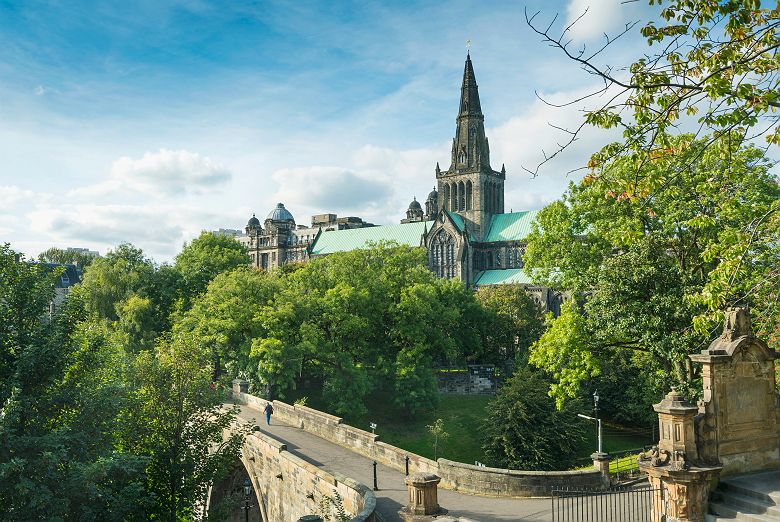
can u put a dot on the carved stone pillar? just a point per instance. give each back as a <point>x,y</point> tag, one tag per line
<point>683,485</point>
<point>423,498</point>
<point>601,463</point>
<point>240,386</point>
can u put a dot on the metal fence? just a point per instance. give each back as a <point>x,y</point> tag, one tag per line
<point>619,504</point>
<point>623,464</point>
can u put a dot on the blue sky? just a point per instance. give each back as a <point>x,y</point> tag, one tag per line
<point>150,121</point>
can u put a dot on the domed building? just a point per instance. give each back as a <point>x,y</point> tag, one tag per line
<point>463,226</point>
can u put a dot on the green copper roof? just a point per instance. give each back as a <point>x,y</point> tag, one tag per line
<point>344,240</point>
<point>514,226</point>
<point>509,276</point>
<point>457,219</point>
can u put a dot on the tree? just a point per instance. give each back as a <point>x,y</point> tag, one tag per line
<point>225,318</point>
<point>112,279</point>
<point>204,258</point>
<point>524,430</point>
<point>438,434</point>
<point>514,323</point>
<point>68,256</point>
<point>361,319</point>
<point>646,263</point>
<point>62,389</point>
<point>714,60</point>
<point>176,420</point>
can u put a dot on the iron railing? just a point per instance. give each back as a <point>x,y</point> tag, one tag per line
<point>617,504</point>
<point>623,465</point>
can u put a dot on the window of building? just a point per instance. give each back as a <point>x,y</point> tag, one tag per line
<point>442,255</point>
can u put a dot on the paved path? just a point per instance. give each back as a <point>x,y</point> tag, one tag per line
<point>392,492</point>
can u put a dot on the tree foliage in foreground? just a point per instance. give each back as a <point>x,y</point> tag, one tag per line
<point>524,430</point>
<point>712,65</point>
<point>652,265</point>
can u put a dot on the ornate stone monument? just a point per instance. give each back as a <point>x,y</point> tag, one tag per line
<point>738,424</point>
<point>734,429</point>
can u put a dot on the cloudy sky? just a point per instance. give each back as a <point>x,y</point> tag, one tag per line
<point>149,121</point>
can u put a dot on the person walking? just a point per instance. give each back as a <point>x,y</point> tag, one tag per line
<point>269,410</point>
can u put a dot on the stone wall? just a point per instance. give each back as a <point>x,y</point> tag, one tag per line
<point>497,482</point>
<point>475,380</point>
<point>290,487</point>
<point>455,475</point>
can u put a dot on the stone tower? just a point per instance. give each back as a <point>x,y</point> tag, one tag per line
<point>470,186</point>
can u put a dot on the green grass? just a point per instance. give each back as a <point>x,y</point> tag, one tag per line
<point>462,416</point>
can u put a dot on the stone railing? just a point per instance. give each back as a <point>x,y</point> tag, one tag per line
<point>293,488</point>
<point>465,478</point>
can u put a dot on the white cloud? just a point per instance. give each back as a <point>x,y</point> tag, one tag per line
<point>602,16</point>
<point>11,196</point>
<point>160,174</point>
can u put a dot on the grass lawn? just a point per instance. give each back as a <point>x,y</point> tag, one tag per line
<point>462,416</point>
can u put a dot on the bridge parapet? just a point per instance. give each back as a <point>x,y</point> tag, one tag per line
<point>457,476</point>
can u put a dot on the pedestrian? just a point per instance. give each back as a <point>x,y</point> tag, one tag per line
<point>268,412</point>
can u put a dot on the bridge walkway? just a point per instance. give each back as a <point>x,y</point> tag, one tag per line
<point>392,494</point>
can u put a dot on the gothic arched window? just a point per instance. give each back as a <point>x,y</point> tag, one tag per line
<point>453,197</point>
<point>468,195</point>
<point>446,203</point>
<point>461,196</point>
<point>442,255</point>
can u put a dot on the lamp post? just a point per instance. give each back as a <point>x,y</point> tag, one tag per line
<point>598,426</point>
<point>247,492</point>
<point>596,414</point>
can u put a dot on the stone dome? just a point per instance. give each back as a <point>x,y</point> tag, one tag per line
<point>253,222</point>
<point>433,195</point>
<point>280,214</point>
<point>415,205</point>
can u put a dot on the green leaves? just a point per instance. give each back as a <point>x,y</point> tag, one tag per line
<point>657,258</point>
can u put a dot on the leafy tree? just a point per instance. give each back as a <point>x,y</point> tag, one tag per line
<point>57,454</point>
<point>65,257</point>
<point>176,420</point>
<point>225,321</point>
<point>363,319</point>
<point>112,279</point>
<point>524,429</point>
<point>204,258</point>
<point>514,323</point>
<point>713,65</point>
<point>646,261</point>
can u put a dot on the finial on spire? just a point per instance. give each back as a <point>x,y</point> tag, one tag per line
<point>468,47</point>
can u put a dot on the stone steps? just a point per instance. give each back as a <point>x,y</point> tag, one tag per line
<point>739,501</point>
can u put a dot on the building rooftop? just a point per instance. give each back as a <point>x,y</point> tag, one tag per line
<point>506,276</point>
<point>514,226</point>
<point>349,239</point>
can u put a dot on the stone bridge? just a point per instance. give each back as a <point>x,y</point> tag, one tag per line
<point>303,459</point>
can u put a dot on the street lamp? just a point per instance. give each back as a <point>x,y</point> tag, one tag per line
<point>247,492</point>
<point>598,426</point>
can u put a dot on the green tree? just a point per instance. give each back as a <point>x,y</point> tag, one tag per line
<point>363,319</point>
<point>64,257</point>
<point>176,420</point>
<point>524,429</point>
<point>438,434</point>
<point>513,324</point>
<point>646,261</point>
<point>112,279</point>
<point>58,458</point>
<point>204,258</point>
<point>225,321</point>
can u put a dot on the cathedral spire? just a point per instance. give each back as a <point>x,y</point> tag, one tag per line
<point>469,95</point>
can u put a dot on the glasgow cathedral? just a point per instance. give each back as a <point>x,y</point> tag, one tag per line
<point>462,225</point>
